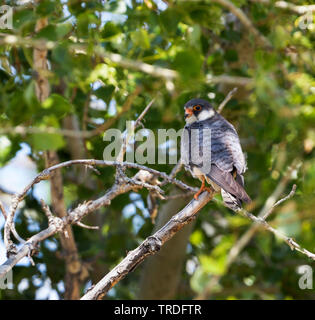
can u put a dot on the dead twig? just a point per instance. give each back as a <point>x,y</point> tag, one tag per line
<point>227,99</point>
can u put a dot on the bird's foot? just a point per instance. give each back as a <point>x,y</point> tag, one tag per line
<point>202,189</point>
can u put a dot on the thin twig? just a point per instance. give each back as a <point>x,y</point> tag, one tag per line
<point>247,236</point>
<point>174,171</point>
<point>290,241</point>
<point>290,195</point>
<point>227,99</point>
<point>127,135</point>
<point>3,211</point>
<point>143,113</point>
<point>82,225</point>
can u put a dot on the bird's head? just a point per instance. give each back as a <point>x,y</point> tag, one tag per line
<point>198,110</point>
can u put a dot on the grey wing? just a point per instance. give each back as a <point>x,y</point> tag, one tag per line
<point>231,201</point>
<point>227,156</point>
<point>226,149</point>
<point>227,182</point>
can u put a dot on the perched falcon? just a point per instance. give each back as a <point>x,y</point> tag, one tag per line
<point>214,154</point>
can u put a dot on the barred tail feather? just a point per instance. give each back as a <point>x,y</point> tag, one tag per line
<point>230,201</point>
<point>226,181</point>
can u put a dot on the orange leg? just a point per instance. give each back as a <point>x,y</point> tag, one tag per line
<point>202,188</point>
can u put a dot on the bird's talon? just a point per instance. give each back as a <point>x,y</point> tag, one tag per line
<point>201,190</point>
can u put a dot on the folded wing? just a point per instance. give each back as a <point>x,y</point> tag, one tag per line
<point>227,182</point>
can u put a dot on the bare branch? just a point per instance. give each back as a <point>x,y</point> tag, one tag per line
<point>46,209</point>
<point>58,225</point>
<point>127,135</point>
<point>80,224</point>
<point>50,130</point>
<point>3,210</point>
<point>290,241</point>
<point>229,80</point>
<point>148,247</point>
<point>292,7</point>
<point>290,195</point>
<point>153,243</point>
<point>267,209</point>
<point>155,71</point>
<point>144,112</point>
<point>227,99</point>
<point>176,169</point>
<point>245,21</point>
<point>74,216</point>
<point>144,250</point>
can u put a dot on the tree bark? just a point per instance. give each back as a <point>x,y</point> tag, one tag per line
<point>161,273</point>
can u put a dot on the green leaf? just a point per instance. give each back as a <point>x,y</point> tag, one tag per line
<point>5,148</point>
<point>105,93</point>
<point>231,55</point>
<point>110,30</point>
<point>30,96</point>
<point>196,238</point>
<point>48,33</point>
<point>57,105</point>
<point>47,141</point>
<point>215,266</point>
<point>20,18</point>
<point>45,8</point>
<point>54,32</point>
<point>62,29</point>
<point>63,59</point>
<point>170,19</point>
<point>84,22</point>
<point>188,63</point>
<point>140,38</point>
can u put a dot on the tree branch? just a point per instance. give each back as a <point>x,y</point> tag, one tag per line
<point>148,247</point>
<point>292,7</point>
<point>153,243</point>
<point>227,99</point>
<point>155,71</point>
<point>245,21</point>
<point>124,185</point>
<point>270,204</point>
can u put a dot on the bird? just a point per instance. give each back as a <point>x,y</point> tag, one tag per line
<point>216,145</point>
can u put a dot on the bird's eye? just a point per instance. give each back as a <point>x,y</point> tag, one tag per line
<point>197,107</point>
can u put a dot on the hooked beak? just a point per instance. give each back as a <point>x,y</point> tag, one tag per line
<point>188,113</point>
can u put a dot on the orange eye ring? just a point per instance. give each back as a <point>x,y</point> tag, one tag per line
<point>197,107</point>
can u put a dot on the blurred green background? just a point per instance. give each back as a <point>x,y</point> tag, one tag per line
<point>271,62</point>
